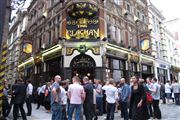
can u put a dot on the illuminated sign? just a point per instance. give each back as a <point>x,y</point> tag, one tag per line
<point>144,42</point>
<point>82,22</point>
<point>27,48</point>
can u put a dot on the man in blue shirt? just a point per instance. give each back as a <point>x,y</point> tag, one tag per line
<point>124,96</point>
<point>156,98</point>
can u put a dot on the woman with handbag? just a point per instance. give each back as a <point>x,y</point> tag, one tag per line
<point>138,106</point>
<point>47,97</point>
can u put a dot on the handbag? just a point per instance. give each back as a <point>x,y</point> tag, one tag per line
<point>149,97</point>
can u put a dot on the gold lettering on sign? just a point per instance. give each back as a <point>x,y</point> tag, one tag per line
<point>82,20</point>
<point>82,23</point>
<point>82,33</point>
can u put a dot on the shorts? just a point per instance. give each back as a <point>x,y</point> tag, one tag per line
<point>168,95</point>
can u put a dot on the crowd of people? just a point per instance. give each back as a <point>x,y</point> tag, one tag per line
<point>137,100</point>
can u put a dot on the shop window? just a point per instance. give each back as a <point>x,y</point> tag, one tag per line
<point>162,75</point>
<point>116,68</point>
<point>146,69</point>
<point>134,67</point>
<point>54,67</point>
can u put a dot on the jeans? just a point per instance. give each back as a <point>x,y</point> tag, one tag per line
<point>110,111</point>
<point>124,110</point>
<point>56,111</point>
<point>78,111</point>
<point>176,97</point>
<point>157,112</point>
<point>64,117</point>
<point>164,98</point>
<point>99,103</point>
<point>149,106</point>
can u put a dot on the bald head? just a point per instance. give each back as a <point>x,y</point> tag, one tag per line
<point>123,80</point>
<point>57,78</point>
<point>85,79</point>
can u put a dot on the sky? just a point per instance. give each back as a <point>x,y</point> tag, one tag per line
<point>170,8</point>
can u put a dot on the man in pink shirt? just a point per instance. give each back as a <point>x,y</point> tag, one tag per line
<point>76,96</point>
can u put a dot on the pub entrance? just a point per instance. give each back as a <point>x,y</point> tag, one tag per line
<point>83,65</point>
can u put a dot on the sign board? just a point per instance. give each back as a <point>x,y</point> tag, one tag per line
<point>82,22</point>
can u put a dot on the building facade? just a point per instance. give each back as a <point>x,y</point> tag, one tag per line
<point>173,55</point>
<point>172,26</point>
<point>5,12</point>
<point>163,46</point>
<point>17,27</point>
<point>159,44</point>
<point>98,39</point>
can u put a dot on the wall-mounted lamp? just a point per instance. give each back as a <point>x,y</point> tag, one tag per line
<point>104,39</point>
<point>136,19</point>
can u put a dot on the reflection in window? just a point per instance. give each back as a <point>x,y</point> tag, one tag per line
<point>115,64</point>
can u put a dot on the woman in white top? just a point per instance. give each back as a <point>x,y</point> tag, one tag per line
<point>168,88</point>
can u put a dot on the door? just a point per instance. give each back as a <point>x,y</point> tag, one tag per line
<point>83,65</point>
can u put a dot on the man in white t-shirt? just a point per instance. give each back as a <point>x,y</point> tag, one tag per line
<point>29,92</point>
<point>168,91</point>
<point>111,98</point>
<point>76,96</point>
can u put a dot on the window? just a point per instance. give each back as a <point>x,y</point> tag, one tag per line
<point>40,42</point>
<point>162,75</point>
<point>118,35</point>
<point>138,14</point>
<point>49,40</point>
<point>118,2</point>
<point>146,69</point>
<point>128,7</point>
<point>115,64</point>
<point>134,67</point>
<point>117,68</point>
<point>143,18</point>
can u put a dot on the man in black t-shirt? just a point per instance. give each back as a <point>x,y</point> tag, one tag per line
<point>88,103</point>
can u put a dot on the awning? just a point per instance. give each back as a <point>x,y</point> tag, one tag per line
<point>27,62</point>
<point>175,69</point>
<point>52,52</point>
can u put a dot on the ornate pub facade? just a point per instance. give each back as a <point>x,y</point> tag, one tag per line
<point>96,38</point>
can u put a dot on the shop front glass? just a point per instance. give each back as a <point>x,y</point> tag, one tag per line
<point>116,68</point>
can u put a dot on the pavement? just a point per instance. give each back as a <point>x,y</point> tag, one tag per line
<point>169,112</point>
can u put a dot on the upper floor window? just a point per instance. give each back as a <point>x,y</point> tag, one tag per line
<point>128,7</point>
<point>118,2</point>
<point>143,18</point>
<point>52,2</point>
<point>138,14</point>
